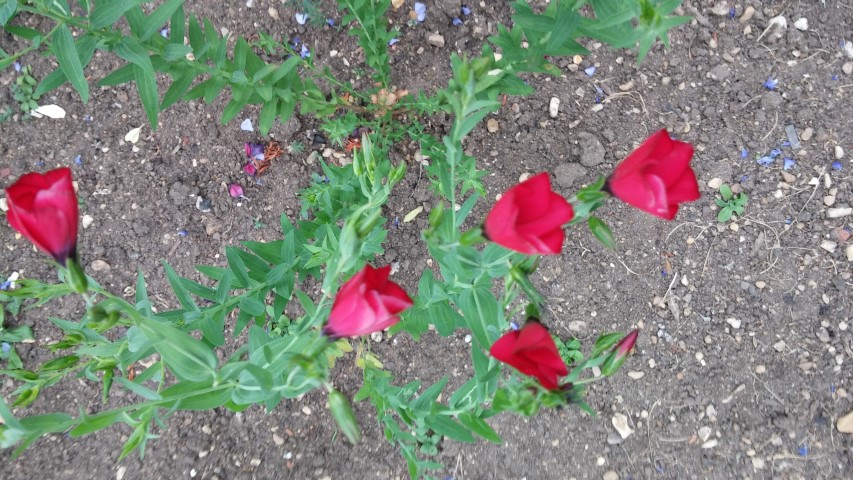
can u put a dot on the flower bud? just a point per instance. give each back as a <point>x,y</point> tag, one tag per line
<point>619,354</point>
<point>344,416</point>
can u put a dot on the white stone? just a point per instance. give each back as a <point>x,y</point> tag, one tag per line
<point>704,433</point>
<point>845,423</point>
<point>839,212</point>
<point>436,40</point>
<point>715,183</point>
<point>554,107</point>
<point>636,375</point>
<point>847,68</point>
<point>620,423</point>
<point>828,245</point>
<point>87,221</point>
<point>839,152</point>
<point>849,253</point>
<point>802,24</point>
<point>734,322</point>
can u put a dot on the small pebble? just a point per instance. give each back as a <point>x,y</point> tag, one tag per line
<point>436,40</point>
<point>802,24</point>
<point>734,322</point>
<point>838,212</point>
<point>807,134</point>
<point>828,245</point>
<point>715,183</point>
<point>747,14</point>
<point>847,68</point>
<point>492,125</point>
<point>306,410</point>
<point>839,152</point>
<point>635,375</point>
<point>554,107</point>
<point>760,369</point>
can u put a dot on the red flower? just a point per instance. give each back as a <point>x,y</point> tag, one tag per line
<point>532,351</point>
<point>529,218</point>
<point>44,209</point>
<point>656,177</point>
<point>368,302</point>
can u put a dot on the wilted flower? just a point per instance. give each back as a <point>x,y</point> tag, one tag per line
<point>249,169</point>
<point>301,18</point>
<point>254,150</point>
<point>420,11</point>
<point>304,52</point>
<point>235,190</point>
<point>771,83</point>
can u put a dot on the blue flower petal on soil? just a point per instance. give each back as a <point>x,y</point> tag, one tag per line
<point>788,221</point>
<point>465,10</point>
<point>788,163</point>
<point>182,233</point>
<point>331,22</point>
<point>786,144</point>
<point>803,450</point>
<point>732,12</point>
<point>513,325</point>
<point>304,52</point>
<point>775,152</point>
<point>301,18</point>
<point>836,165</point>
<point>164,32</point>
<point>835,78</point>
<point>393,41</point>
<point>40,163</point>
<point>590,71</point>
<point>457,21</point>
<point>78,160</point>
<point>744,152</point>
<point>5,285</point>
<point>255,150</point>
<point>420,11</point>
<point>765,161</point>
<point>5,347</point>
<point>771,83</point>
<point>17,66</point>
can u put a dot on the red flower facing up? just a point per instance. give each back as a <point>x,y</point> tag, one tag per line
<point>368,302</point>
<point>532,351</point>
<point>656,177</point>
<point>529,218</point>
<point>44,209</point>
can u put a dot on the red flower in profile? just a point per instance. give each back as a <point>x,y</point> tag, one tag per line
<point>43,207</point>
<point>532,351</point>
<point>368,302</point>
<point>529,218</point>
<point>656,177</point>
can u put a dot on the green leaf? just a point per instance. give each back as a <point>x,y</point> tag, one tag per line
<point>176,51</point>
<point>725,214</point>
<point>146,85</point>
<point>181,292</point>
<point>158,18</point>
<point>224,287</point>
<point>118,76</point>
<point>238,268</point>
<point>108,12</point>
<point>480,427</point>
<point>267,117</point>
<point>602,232</point>
<point>252,306</point>
<point>7,10</point>
<point>725,191</point>
<point>94,423</point>
<point>177,89</point>
<point>188,358</point>
<point>444,425</point>
<point>425,400</point>
<point>69,60</point>
<point>480,310</point>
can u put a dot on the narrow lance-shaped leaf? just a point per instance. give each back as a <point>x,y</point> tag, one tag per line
<point>69,61</point>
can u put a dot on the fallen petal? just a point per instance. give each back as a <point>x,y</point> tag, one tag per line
<point>235,190</point>
<point>50,111</point>
<point>246,126</point>
<point>133,135</point>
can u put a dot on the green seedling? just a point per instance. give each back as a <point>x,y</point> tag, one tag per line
<point>24,90</point>
<point>730,203</point>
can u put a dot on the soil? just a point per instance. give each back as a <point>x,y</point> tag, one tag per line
<point>743,364</point>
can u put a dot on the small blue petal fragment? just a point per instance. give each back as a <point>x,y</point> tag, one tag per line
<point>765,161</point>
<point>836,165</point>
<point>5,285</point>
<point>789,221</point>
<point>835,78</point>
<point>788,163</point>
<point>457,21</point>
<point>331,22</point>
<point>465,10</point>
<point>304,52</point>
<point>513,325</point>
<point>5,347</point>
<point>182,233</point>
<point>786,144</point>
<point>590,71</point>
<point>775,152</point>
<point>301,18</point>
<point>803,450</point>
<point>17,66</point>
<point>744,152</point>
<point>393,41</point>
<point>732,12</point>
<point>40,163</point>
<point>771,83</point>
<point>420,11</point>
<point>164,32</point>
<point>78,160</point>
